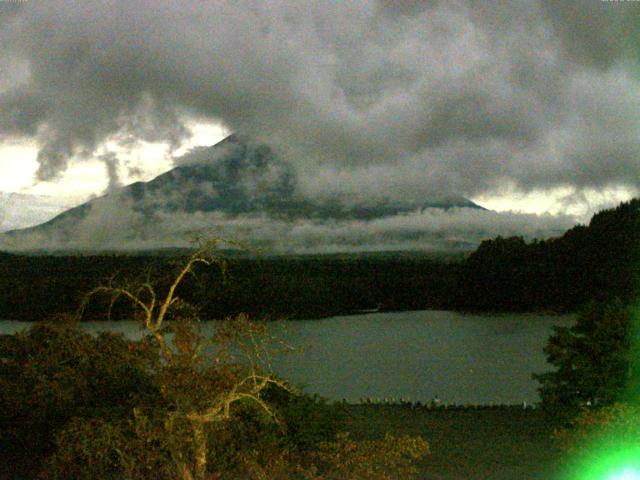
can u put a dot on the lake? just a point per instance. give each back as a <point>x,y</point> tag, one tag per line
<point>456,357</point>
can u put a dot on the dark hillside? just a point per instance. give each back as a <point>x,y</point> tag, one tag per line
<point>34,287</point>
<point>588,263</point>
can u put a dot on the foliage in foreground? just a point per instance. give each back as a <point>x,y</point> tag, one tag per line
<point>173,405</point>
<point>92,407</point>
<point>55,372</point>
<point>596,359</point>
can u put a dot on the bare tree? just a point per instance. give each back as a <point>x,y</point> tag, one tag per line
<point>200,378</point>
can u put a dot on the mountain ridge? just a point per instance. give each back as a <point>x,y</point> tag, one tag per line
<point>234,177</point>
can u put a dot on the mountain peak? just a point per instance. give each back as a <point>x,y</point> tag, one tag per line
<point>234,181</point>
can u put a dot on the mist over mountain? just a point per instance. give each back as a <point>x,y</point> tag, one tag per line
<point>242,190</point>
<point>19,210</point>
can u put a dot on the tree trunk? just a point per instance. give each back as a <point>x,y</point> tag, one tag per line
<point>200,440</point>
<point>183,472</point>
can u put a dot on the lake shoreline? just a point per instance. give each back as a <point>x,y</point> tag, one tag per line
<point>416,356</point>
<point>352,313</point>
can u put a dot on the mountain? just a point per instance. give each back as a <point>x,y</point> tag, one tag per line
<point>232,182</point>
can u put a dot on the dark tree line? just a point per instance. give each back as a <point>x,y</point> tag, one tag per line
<point>35,287</point>
<point>594,263</point>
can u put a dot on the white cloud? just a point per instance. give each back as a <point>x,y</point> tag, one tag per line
<point>111,225</point>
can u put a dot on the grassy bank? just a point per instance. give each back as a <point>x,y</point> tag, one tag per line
<point>472,444</point>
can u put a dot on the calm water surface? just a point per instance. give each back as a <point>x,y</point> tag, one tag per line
<point>459,358</point>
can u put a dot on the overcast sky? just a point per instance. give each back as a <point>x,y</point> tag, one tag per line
<point>519,105</point>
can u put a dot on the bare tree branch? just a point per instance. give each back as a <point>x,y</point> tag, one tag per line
<point>247,382</point>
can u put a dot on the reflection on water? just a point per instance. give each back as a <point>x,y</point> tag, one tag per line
<point>419,355</point>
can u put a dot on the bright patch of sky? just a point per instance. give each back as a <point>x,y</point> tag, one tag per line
<point>83,179</point>
<point>564,200</point>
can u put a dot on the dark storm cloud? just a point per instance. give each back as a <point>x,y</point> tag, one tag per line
<point>437,97</point>
<point>21,112</point>
<point>596,33</point>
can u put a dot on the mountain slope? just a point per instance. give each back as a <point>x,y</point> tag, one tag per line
<point>232,181</point>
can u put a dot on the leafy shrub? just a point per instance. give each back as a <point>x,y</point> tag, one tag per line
<point>54,372</point>
<point>89,448</point>
<point>306,419</point>
<point>386,459</point>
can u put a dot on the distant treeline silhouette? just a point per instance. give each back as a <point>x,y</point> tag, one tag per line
<point>597,262</point>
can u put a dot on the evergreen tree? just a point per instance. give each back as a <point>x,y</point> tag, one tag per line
<point>593,359</point>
